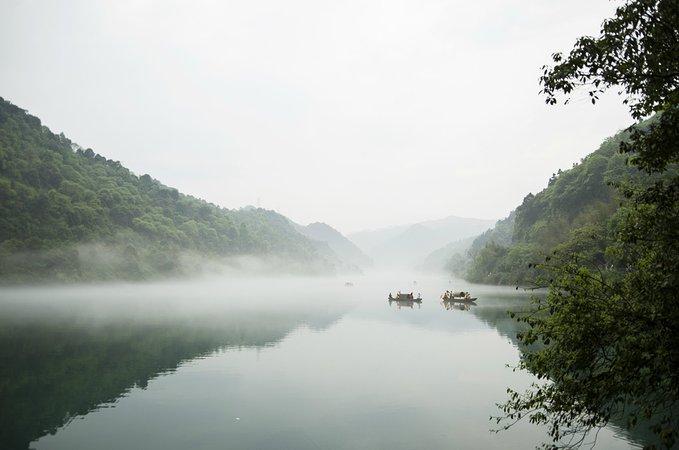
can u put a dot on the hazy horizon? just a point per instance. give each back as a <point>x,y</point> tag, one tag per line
<point>362,115</point>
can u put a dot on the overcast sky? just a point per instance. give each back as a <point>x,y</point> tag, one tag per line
<point>360,113</point>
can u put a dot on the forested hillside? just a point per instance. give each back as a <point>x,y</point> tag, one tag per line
<point>576,205</point>
<point>67,213</point>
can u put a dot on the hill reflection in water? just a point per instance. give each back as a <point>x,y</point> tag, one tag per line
<point>68,354</point>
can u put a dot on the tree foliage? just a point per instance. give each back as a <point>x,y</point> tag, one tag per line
<point>609,326</point>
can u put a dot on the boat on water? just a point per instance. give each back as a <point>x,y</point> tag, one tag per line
<point>463,297</point>
<point>405,297</point>
<point>348,284</point>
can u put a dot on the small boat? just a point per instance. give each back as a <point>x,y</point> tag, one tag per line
<point>462,297</point>
<point>348,284</point>
<point>409,297</point>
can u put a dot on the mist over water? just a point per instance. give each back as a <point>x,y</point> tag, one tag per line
<point>260,363</point>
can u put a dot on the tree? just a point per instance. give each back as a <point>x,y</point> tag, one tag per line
<point>609,329</point>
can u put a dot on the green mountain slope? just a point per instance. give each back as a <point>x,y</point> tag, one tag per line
<point>67,213</point>
<point>575,205</point>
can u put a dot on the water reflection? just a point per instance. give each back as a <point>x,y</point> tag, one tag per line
<point>462,306</point>
<point>495,313</point>
<point>299,364</point>
<point>399,304</point>
<point>66,359</point>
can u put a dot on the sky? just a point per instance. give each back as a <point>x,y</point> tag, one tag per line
<point>358,113</point>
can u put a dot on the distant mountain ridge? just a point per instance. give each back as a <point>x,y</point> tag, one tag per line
<point>409,245</point>
<point>349,254</point>
<point>438,260</point>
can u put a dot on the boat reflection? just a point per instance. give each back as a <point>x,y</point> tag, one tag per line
<point>462,306</point>
<point>406,303</point>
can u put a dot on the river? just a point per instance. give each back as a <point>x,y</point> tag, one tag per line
<point>252,363</point>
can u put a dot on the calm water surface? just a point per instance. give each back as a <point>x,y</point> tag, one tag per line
<point>259,364</point>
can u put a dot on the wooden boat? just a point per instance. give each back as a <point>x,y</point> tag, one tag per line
<point>458,297</point>
<point>461,299</point>
<point>405,297</point>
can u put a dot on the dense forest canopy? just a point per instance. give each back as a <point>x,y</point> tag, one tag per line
<point>67,213</point>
